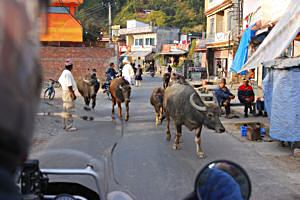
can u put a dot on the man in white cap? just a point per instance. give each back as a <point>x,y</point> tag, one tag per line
<point>69,86</point>
<point>127,71</point>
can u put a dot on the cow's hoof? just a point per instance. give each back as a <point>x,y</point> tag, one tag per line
<point>87,108</point>
<point>126,119</point>
<point>176,147</point>
<point>201,154</point>
<point>113,117</point>
<point>168,137</point>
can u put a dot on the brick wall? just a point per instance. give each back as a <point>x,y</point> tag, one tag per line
<point>83,58</point>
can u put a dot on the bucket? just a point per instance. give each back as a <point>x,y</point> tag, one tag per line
<point>262,131</point>
<point>244,130</point>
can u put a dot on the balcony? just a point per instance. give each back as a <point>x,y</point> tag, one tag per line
<point>200,44</point>
<point>214,6</point>
<point>137,30</point>
<point>214,3</point>
<point>217,37</point>
<point>143,48</point>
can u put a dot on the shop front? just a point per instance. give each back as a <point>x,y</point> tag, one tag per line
<point>222,60</point>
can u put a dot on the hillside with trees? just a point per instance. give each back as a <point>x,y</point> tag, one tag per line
<point>188,15</point>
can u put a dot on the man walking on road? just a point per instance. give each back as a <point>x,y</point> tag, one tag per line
<point>69,86</point>
<point>127,72</point>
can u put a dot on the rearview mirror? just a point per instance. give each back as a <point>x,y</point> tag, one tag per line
<point>223,180</point>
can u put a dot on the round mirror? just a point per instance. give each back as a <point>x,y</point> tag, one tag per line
<point>223,180</point>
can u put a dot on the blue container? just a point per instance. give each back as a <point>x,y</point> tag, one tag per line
<point>262,131</point>
<point>244,131</point>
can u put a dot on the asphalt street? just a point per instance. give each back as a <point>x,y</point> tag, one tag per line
<point>139,158</point>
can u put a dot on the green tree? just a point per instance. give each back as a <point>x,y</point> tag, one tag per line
<point>187,15</point>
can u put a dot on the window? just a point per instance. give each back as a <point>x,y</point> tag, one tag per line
<point>152,41</point>
<point>138,42</point>
<point>141,42</point>
<point>61,10</point>
<point>229,22</point>
<point>147,41</point>
<point>212,26</point>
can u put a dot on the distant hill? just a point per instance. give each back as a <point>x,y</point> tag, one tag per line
<point>188,15</point>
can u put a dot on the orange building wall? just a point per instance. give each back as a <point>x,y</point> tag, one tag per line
<point>67,1</point>
<point>63,27</point>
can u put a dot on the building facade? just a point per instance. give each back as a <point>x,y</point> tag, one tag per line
<point>144,39</point>
<point>62,25</point>
<point>223,27</point>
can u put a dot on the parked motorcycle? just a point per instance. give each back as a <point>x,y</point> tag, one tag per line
<point>218,180</point>
<point>152,73</point>
<point>106,85</point>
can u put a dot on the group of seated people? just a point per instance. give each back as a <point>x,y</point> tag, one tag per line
<point>245,95</point>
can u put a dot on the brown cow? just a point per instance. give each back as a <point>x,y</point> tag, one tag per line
<point>120,92</point>
<point>156,101</point>
<point>88,87</point>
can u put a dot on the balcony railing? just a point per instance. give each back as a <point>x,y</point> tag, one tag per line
<point>200,43</point>
<point>214,3</point>
<point>143,48</point>
<point>217,37</point>
<point>137,30</point>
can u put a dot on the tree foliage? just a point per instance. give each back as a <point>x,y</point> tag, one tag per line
<point>185,14</point>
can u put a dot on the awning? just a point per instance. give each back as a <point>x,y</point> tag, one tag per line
<point>137,54</point>
<point>179,52</point>
<point>279,38</point>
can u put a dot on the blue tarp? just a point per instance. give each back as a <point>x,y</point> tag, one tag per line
<point>282,101</point>
<point>241,55</point>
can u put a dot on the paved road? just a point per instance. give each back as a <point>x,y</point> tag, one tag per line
<point>144,162</point>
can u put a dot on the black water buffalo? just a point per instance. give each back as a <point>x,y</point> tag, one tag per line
<point>120,91</point>
<point>185,107</point>
<point>88,87</point>
<point>156,101</point>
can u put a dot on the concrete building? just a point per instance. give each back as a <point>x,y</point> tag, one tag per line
<point>144,39</point>
<point>267,13</point>
<point>223,27</point>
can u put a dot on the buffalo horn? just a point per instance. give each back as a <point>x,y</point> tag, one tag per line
<point>200,108</point>
<point>86,81</point>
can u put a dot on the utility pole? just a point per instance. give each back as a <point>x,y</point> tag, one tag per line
<point>109,22</point>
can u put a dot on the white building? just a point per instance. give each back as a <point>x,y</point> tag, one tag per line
<point>144,39</point>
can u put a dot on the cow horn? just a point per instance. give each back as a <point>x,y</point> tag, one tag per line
<point>86,81</point>
<point>200,108</point>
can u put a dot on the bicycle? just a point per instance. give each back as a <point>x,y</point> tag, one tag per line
<point>49,93</point>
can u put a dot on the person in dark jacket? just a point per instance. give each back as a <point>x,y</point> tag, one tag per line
<point>224,96</point>
<point>111,72</point>
<point>246,96</point>
<point>169,69</point>
<point>138,76</point>
<point>20,81</point>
